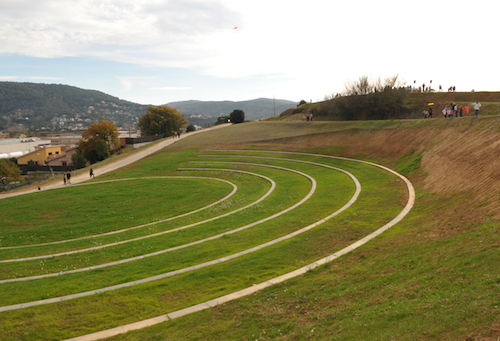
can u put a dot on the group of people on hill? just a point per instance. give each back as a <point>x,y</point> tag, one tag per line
<point>454,110</point>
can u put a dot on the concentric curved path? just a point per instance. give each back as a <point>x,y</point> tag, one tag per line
<point>248,251</point>
<point>258,287</point>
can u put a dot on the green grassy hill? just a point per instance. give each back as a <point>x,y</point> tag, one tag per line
<point>414,102</point>
<point>433,276</point>
<point>45,107</point>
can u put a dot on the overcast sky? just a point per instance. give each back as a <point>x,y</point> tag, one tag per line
<point>159,51</point>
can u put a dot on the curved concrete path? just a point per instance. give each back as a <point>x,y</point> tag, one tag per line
<point>123,261</point>
<point>216,261</point>
<point>273,186</point>
<point>235,188</point>
<point>241,293</point>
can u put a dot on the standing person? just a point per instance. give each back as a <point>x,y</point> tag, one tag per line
<point>425,113</point>
<point>477,105</point>
<point>68,177</point>
<point>91,173</point>
<point>64,178</point>
<point>445,112</point>
<point>461,111</point>
<point>430,112</point>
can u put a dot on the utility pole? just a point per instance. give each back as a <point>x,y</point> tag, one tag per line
<point>274,99</point>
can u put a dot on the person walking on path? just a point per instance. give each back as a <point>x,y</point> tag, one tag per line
<point>477,105</point>
<point>91,173</point>
<point>68,177</point>
<point>64,178</point>
<point>430,112</point>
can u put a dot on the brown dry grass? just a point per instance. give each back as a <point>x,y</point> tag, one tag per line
<point>459,155</point>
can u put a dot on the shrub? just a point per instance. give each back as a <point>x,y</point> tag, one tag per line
<point>237,116</point>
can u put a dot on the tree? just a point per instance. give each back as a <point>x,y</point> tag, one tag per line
<point>102,150</point>
<point>190,127</point>
<point>104,130</point>
<point>161,120</point>
<point>237,116</point>
<point>78,159</point>
<point>9,171</point>
<point>301,103</point>
<point>371,100</point>
<point>99,139</point>
<point>222,120</point>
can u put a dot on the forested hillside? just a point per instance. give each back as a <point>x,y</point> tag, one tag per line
<point>40,107</point>
<point>210,110</point>
<point>56,107</point>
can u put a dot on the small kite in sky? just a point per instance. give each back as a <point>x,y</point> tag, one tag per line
<point>236,27</point>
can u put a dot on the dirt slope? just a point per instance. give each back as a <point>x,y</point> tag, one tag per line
<point>458,155</point>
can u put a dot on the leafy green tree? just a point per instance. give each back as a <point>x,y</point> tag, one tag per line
<point>102,150</point>
<point>161,120</point>
<point>237,116</point>
<point>301,103</point>
<point>104,130</point>
<point>96,137</point>
<point>222,120</point>
<point>9,171</point>
<point>190,127</point>
<point>78,159</point>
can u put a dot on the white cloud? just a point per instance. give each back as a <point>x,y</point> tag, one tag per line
<point>172,88</point>
<point>112,28</point>
<point>289,49</point>
<point>12,78</point>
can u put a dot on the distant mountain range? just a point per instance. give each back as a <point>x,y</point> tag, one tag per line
<point>56,107</point>
<point>202,112</point>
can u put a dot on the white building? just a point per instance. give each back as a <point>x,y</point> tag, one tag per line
<point>18,147</point>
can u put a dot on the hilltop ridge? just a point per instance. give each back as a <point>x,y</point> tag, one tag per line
<point>57,107</point>
<point>414,102</point>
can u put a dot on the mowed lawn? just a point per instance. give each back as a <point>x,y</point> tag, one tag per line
<point>78,219</point>
<point>413,282</point>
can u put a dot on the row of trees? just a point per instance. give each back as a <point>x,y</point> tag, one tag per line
<point>100,140</point>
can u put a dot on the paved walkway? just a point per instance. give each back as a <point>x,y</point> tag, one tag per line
<point>99,170</point>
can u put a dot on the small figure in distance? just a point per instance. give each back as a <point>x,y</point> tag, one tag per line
<point>445,111</point>
<point>68,178</point>
<point>91,173</point>
<point>430,112</point>
<point>477,105</point>
<point>64,178</point>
